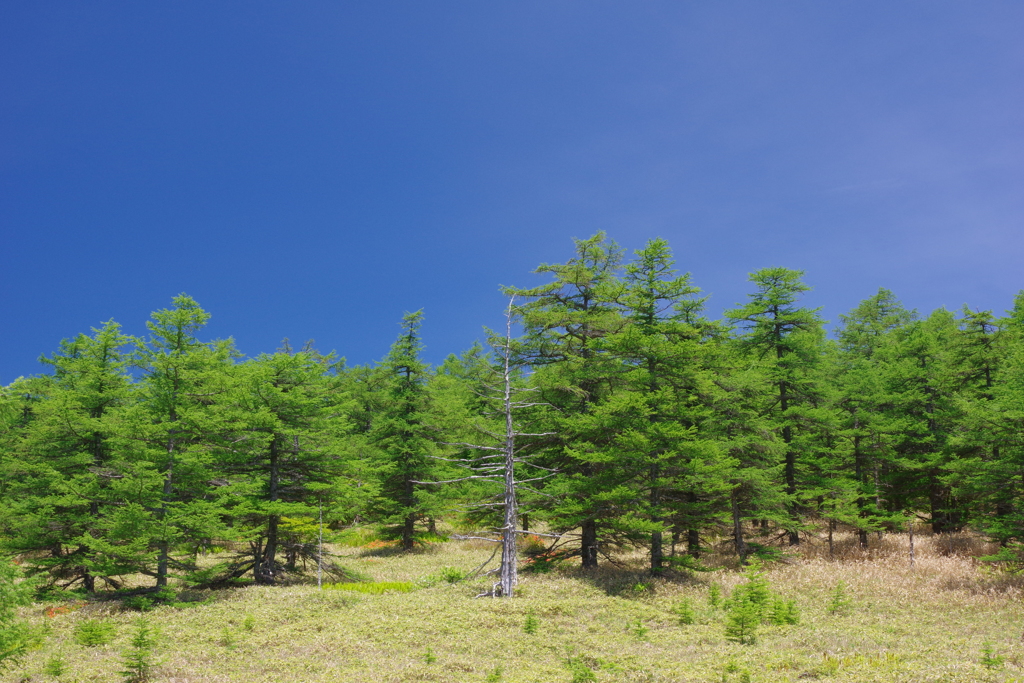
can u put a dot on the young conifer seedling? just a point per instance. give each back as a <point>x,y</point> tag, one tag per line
<point>989,659</point>
<point>742,621</point>
<point>839,601</point>
<point>639,630</point>
<point>685,612</point>
<point>56,666</point>
<point>714,596</point>
<point>138,658</point>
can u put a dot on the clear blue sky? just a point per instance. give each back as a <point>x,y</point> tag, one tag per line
<point>315,169</point>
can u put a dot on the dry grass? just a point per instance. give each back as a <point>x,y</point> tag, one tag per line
<point>923,623</point>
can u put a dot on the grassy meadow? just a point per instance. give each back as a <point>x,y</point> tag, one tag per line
<point>948,618</point>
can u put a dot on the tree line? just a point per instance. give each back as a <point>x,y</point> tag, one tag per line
<point>640,422</point>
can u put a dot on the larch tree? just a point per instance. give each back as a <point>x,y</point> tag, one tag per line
<point>565,323</point>
<point>786,338</point>
<point>62,486</point>
<point>175,430</point>
<point>403,434</point>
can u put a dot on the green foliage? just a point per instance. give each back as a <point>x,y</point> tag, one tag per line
<point>139,456</point>
<point>714,596</point>
<point>743,673</point>
<point>56,665</point>
<point>638,629</point>
<point>753,603</point>
<point>138,661</point>
<point>356,537</point>
<point>249,623</point>
<point>543,563</point>
<point>95,632</point>
<point>581,671</point>
<point>532,624</point>
<point>495,675</point>
<point>452,574</point>
<point>227,638</point>
<point>429,657</point>
<point>989,659</point>
<point>839,601</point>
<point>755,591</point>
<point>784,612</point>
<point>684,611</point>
<point>15,636</point>
<point>1009,557</point>
<point>372,588</point>
<point>742,620</point>
<point>689,563</point>
<point>165,597</point>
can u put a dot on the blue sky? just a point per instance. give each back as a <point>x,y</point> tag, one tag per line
<point>315,169</point>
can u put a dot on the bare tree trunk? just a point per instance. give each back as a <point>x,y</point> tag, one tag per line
<point>509,575</point>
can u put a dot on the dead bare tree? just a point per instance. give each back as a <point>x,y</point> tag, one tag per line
<point>501,462</point>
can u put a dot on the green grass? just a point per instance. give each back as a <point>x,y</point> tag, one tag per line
<point>945,620</point>
<point>372,588</point>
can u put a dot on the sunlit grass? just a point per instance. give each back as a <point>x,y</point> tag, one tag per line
<point>929,622</point>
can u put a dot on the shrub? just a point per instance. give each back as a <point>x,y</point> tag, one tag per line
<point>543,563</point>
<point>94,632</point>
<point>429,657</point>
<point>495,675</point>
<point>531,625</point>
<point>451,574</point>
<point>532,545</point>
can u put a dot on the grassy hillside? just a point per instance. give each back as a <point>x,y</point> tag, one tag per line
<point>926,623</point>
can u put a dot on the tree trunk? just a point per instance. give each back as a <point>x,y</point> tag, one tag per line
<point>657,547</point>
<point>408,531</point>
<point>790,465</point>
<point>737,530</point>
<point>693,543</point>
<point>657,553</point>
<point>588,544</point>
<point>265,570</point>
<point>509,571</point>
<point>163,546</point>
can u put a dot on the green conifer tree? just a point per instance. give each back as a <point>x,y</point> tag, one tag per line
<point>404,436</point>
<point>786,339</point>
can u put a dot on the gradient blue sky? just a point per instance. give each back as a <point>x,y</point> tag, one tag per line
<point>315,169</point>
